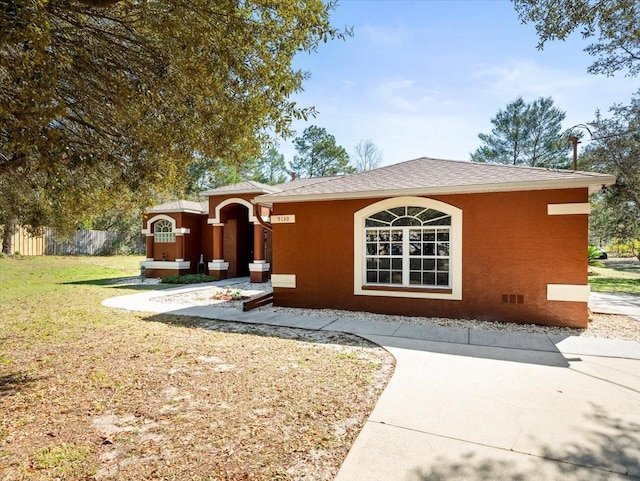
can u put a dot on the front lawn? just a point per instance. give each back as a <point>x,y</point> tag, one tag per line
<point>88,392</point>
<point>620,276</point>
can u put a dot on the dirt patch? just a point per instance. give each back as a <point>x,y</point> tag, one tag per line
<point>179,398</point>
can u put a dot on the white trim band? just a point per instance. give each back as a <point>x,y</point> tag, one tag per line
<point>287,281</point>
<point>569,209</point>
<point>259,267</point>
<point>175,265</point>
<point>568,292</point>
<point>218,266</point>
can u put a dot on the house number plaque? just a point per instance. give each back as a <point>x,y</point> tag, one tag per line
<point>283,219</point>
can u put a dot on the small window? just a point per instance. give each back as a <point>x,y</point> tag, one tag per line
<point>163,232</point>
<point>408,246</point>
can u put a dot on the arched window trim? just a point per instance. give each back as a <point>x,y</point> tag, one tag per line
<point>455,290</point>
<point>164,231</point>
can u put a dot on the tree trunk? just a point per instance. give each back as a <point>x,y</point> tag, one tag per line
<point>7,236</point>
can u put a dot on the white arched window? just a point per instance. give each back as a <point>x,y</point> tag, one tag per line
<point>163,232</point>
<point>408,247</point>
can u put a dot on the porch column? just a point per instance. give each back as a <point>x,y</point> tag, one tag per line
<point>218,267</point>
<point>259,269</point>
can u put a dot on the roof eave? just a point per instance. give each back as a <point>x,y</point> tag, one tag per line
<point>593,184</point>
<point>209,193</point>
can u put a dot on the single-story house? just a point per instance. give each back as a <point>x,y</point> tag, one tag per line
<point>426,237</point>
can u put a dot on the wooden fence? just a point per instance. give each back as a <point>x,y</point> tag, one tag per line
<point>83,242</point>
<point>27,245</point>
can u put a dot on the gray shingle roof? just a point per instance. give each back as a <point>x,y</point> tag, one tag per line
<point>181,206</point>
<point>247,187</point>
<point>426,176</point>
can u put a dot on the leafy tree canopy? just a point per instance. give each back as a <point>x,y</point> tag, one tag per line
<point>101,98</point>
<point>613,22</point>
<point>319,155</point>
<point>526,134</point>
<point>616,150</point>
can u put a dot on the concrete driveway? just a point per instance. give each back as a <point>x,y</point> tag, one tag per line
<point>467,412</point>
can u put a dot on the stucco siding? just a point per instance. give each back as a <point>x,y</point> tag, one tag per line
<point>511,247</point>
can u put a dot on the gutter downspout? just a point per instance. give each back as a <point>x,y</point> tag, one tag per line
<point>263,223</point>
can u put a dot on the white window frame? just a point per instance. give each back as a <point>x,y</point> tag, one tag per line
<point>164,232</point>
<point>361,288</point>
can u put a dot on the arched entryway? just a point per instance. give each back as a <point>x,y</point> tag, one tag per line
<point>237,239</point>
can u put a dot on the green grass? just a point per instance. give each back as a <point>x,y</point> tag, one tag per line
<point>189,279</point>
<point>620,276</point>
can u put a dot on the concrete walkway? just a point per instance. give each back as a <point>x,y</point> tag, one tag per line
<point>466,404</point>
<point>607,303</point>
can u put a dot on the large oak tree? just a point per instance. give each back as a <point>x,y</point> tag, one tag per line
<point>105,99</point>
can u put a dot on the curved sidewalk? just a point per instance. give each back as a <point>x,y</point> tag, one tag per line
<point>468,404</point>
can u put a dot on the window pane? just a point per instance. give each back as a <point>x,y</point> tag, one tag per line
<point>374,223</point>
<point>429,279</point>
<point>372,236</point>
<point>443,249</point>
<point>396,277</point>
<point>443,235</point>
<point>384,235</point>
<point>414,264</point>
<point>396,264</point>
<point>396,249</point>
<point>415,211</point>
<point>383,216</point>
<point>429,249</point>
<point>372,263</point>
<point>385,263</point>
<point>403,221</point>
<point>415,249</point>
<point>398,211</point>
<point>372,276</point>
<point>428,264</point>
<point>443,265</point>
<point>396,235</point>
<point>443,279</point>
<point>429,236</point>
<point>383,249</point>
<point>384,277</point>
<point>414,234</point>
<point>415,278</point>
<point>371,249</point>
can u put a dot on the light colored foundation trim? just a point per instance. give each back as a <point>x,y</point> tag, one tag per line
<point>568,292</point>
<point>569,209</point>
<point>214,223</point>
<point>182,231</point>
<point>218,266</point>
<point>176,265</point>
<point>284,280</point>
<point>259,267</point>
<point>283,219</point>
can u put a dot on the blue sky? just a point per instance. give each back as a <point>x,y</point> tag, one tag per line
<point>424,78</point>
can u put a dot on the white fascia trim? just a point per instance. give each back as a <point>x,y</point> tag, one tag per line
<point>455,248</point>
<point>257,190</point>
<point>176,265</point>
<point>569,209</point>
<point>226,202</point>
<point>259,267</point>
<point>180,211</point>
<point>593,184</point>
<point>287,281</point>
<point>568,292</point>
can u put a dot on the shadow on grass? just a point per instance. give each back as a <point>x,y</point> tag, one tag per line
<point>607,451</point>
<point>623,265</point>
<point>13,382</point>
<point>131,283</point>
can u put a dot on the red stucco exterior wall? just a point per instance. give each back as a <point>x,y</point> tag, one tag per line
<point>510,246</point>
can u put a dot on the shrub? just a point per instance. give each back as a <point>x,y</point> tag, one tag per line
<point>189,279</point>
